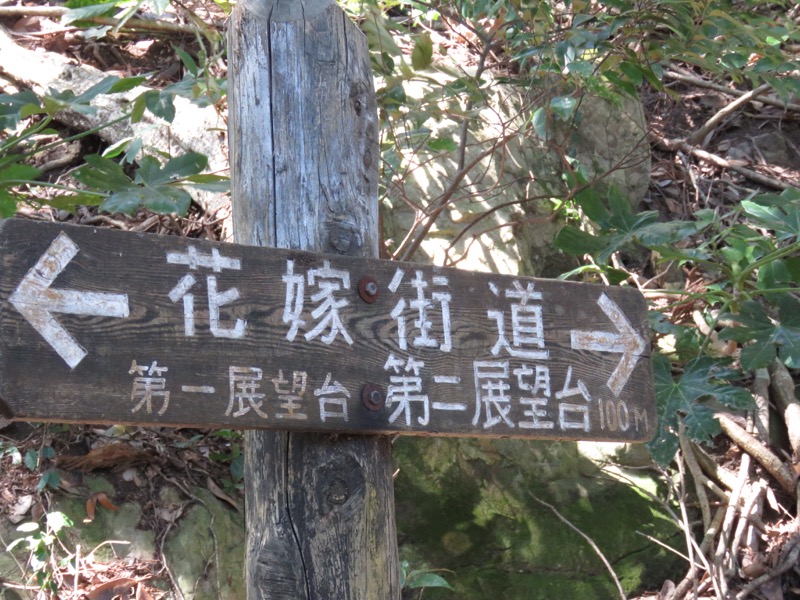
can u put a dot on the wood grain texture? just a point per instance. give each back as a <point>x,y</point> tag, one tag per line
<point>140,365</point>
<point>304,147</point>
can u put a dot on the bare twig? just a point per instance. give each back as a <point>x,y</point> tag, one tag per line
<point>699,135</point>
<point>760,452</point>
<point>719,473</point>
<point>718,161</point>
<point>789,562</point>
<point>749,507</point>
<point>723,570</point>
<point>697,81</point>
<point>787,404</point>
<point>686,525</point>
<point>698,477</point>
<point>424,224</point>
<point>588,540</point>
<point>133,23</point>
<point>761,395</point>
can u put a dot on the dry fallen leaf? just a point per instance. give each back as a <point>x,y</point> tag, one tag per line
<point>116,587</point>
<point>217,491</point>
<point>117,456</point>
<point>142,594</point>
<point>91,505</point>
<point>20,509</point>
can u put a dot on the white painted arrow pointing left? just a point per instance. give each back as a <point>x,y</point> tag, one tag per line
<point>35,300</point>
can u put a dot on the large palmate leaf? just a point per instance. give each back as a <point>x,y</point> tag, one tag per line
<point>767,339</point>
<point>157,187</point>
<point>679,401</point>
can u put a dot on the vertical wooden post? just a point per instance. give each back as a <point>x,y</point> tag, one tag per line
<point>304,157</point>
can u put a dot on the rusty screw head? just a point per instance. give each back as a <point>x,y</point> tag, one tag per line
<point>368,289</point>
<point>372,397</point>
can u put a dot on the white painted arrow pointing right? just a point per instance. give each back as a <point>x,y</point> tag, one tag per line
<point>35,300</point>
<point>626,341</point>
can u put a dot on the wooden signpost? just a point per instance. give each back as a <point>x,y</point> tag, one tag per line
<point>101,326</point>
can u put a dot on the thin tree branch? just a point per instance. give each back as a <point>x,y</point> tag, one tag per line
<point>699,135</point>
<point>789,563</point>
<point>697,81</point>
<point>760,452</point>
<point>133,23</point>
<point>718,161</point>
<point>588,540</point>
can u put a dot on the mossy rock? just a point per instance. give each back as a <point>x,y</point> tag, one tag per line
<point>473,507</point>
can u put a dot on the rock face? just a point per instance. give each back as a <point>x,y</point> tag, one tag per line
<point>202,547</point>
<point>476,508</point>
<point>518,184</point>
<point>479,510</point>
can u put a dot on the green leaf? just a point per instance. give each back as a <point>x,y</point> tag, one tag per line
<point>14,107</point>
<point>425,579</point>
<point>161,104</point>
<point>18,172</point>
<point>237,468</point>
<point>442,145</point>
<point>149,172</point>
<point>680,400</point>
<point>539,121</point>
<point>734,60</point>
<point>126,202</point>
<point>184,165</point>
<point>563,107</point>
<point>70,202</point>
<point>209,183</point>
<point>772,274</point>
<point>31,459</point>
<point>28,527</point>
<point>632,71</point>
<point>126,84</point>
<point>101,87</point>
<point>784,220</point>
<point>422,54</point>
<point>767,339</point>
<point>102,174</point>
<point>166,200</point>
<point>87,12</point>
<point>581,67</point>
<point>137,110</point>
<point>56,521</point>
<point>187,60</point>
<point>8,204</point>
<point>659,234</point>
<point>49,478</point>
<point>578,242</point>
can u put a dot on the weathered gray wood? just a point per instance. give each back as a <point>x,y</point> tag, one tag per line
<point>303,124</point>
<point>148,325</point>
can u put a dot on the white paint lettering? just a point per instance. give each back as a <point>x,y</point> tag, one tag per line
<point>290,395</point>
<point>293,304</point>
<point>527,328</point>
<point>425,306</point>
<point>216,299</point>
<point>405,389</point>
<point>148,384</point>
<point>332,395</point>
<point>243,385</point>
<point>572,415</point>
<point>492,402</point>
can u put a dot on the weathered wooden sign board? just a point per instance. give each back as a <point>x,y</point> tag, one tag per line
<point>102,326</point>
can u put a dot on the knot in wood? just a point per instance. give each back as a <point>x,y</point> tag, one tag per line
<point>341,238</point>
<point>337,492</point>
